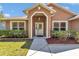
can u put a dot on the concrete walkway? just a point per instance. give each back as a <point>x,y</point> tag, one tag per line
<point>40,47</point>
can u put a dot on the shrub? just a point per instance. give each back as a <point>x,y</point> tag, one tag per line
<point>13,33</point>
<point>55,34</point>
<point>77,37</point>
<point>59,34</point>
<point>63,35</point>
<point>72,34</point>
<point>3,32</point>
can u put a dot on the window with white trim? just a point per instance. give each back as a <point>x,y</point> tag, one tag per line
<point>18,25</point>
<point>60,26</point>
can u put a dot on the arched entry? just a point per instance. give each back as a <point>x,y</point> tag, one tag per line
<point>39,24</point>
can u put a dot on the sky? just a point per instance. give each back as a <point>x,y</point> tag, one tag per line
<point>16,9</point>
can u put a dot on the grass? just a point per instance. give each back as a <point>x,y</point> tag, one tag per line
<point>14,48</point>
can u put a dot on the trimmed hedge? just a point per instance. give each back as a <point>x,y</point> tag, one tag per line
<point>59,34</point>
<point>13,33</point>
<point>71,34</point>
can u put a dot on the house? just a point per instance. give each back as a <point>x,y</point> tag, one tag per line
<point>41,19</point>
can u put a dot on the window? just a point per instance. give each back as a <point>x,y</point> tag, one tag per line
<point>63,26</point>
<point>56,26</point>
<point>18,25</point>
<point>21,25</point>
<point>14,26</point>
<point>59,26</point>
<point>40,26</point>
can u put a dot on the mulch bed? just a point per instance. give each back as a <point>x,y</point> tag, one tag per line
<point>57,41</point>
<point>14,39</point>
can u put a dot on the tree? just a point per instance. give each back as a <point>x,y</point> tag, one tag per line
<point>1,14</point>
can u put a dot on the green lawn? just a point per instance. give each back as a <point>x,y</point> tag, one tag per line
<point>14,48</point>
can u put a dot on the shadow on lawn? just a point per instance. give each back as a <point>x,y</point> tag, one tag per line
<point>27,44</point>
<point>27,41</point>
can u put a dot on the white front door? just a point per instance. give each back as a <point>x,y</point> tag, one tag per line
<point>39,29</point>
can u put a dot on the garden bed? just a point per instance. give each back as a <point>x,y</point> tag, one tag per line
<point>64,37</point>
<point>57,41</point>
<point>14,39</point>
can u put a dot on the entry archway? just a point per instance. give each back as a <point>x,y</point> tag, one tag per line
<point>46,21</point>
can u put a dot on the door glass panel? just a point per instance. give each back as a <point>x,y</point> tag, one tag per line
<point>35,26</point>
<point>40,26</point>
<point>38,29</point>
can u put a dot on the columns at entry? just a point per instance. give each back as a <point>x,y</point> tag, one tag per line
<point>30,24</point>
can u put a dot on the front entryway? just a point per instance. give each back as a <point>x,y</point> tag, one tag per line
<point>39,29</point>
<point>39,25</point>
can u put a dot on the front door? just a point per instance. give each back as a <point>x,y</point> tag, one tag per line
<point>39,29</point>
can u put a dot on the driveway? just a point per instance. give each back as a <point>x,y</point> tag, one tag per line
<point>57,48</point>
<point>40,47</point>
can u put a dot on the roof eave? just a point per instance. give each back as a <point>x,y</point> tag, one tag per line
<point>56,5</point>
<point>26,11</point>
<point>9,19</point>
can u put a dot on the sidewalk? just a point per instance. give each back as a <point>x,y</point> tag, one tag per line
<point>74,52</point>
